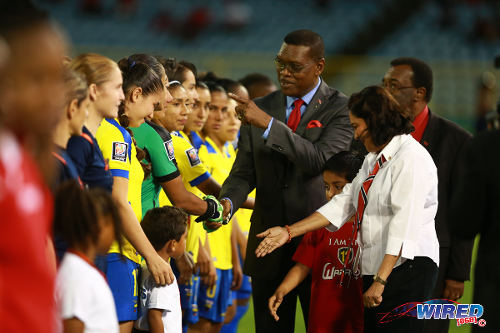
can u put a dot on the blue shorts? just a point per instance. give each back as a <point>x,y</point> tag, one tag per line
<point>189,296</point>
<point>123,278</point>
<point>245,290</point>
<point>213,301</point>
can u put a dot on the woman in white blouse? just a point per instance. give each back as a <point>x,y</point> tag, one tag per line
<point>395,210</point>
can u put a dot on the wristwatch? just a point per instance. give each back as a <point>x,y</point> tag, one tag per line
<point>378,279</point>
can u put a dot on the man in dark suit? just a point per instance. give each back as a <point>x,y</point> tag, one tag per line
<point>410,82</point>
<point>288,136</point>
<point>475,210</point>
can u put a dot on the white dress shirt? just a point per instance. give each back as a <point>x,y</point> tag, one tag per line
<point>402,204</point>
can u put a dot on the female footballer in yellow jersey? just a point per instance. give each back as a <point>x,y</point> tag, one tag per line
<point>172,118</point>
<point>213,301</point>
<point>198,115</point>
<point>143,90</point>
<point>228,133</point>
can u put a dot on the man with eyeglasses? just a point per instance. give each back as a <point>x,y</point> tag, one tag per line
<point>288,137</point>
<point>410,81</point>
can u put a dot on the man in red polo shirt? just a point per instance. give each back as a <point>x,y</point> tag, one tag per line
<point>410,81</point>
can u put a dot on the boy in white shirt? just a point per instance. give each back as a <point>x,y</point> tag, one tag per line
<point>160,312</point>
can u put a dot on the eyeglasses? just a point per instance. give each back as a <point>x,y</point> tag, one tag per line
<point>291,67</point>
<point>394,87</point>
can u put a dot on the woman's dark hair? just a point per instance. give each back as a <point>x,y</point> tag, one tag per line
<point>255,79</point>
<point>231,86</point>
<point>77,214</point>
<point>383,115</point>
<point>149,60</point>
<point>214,87</point>
<point>176,70</point>
<point>139,74</point>
<point>208,77</point>
<point>345,163</point>
<point>163,224</point>
<point>201,84</point>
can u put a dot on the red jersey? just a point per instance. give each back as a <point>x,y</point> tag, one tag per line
<point>333,308</point>
<point>26,276</point>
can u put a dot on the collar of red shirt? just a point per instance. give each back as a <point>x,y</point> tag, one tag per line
<point>420,123</point>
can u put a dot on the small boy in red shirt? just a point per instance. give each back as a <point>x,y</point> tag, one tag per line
<point>334,307</point>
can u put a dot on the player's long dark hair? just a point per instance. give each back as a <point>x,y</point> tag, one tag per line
<point>78,212</point>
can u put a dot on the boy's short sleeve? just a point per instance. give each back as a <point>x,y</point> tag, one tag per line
<point>160,296</point>
<point>305,252</point>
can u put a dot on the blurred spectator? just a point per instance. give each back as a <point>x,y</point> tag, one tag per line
<point>31,102</point>
<point>196,22</point>
<point>486,107</point>
<point>237,14</point>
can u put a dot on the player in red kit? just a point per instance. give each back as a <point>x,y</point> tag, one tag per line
<point>323,254</point>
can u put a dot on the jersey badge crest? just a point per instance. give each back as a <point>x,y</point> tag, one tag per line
<point>119,151</point>
<point>192,157</point>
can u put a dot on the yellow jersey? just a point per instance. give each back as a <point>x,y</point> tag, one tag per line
<point>219,164</point>
<point>117,147</point>
<point>193,173</point>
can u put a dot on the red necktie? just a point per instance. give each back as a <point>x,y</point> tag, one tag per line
<point>294,118</point>
<point>362,202</point>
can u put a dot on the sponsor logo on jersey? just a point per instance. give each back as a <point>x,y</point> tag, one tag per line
<point>119,151</point>
<point>169,147</point>
<point>193,157</point>
<point>330,272</point>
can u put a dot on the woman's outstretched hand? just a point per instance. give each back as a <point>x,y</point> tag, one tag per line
<point>273,238</point>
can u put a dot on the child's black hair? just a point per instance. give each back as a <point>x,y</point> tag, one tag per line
<point>163,224</point>
<point>345,163</point>
<point>77,214</point>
